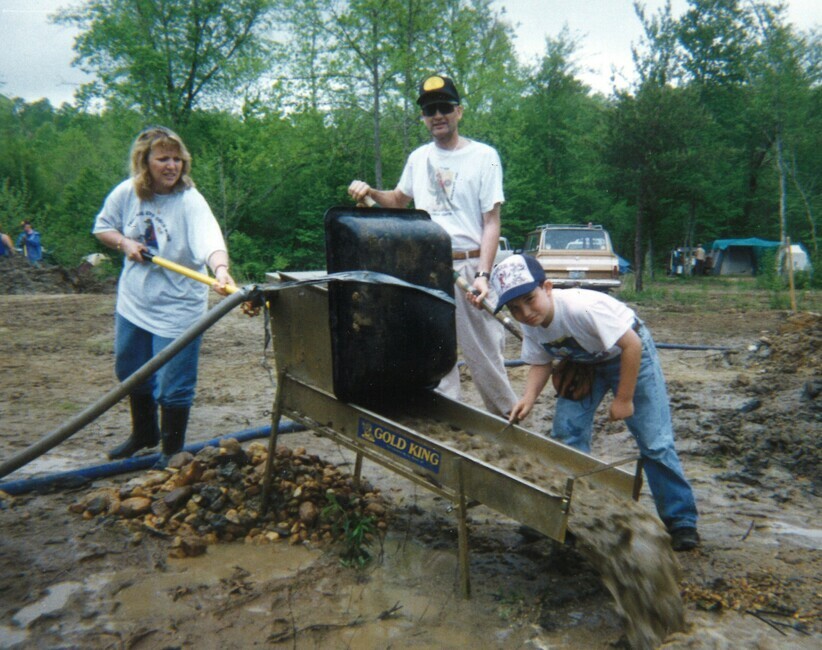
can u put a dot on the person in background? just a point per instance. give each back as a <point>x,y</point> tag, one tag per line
<point>699,256</point>
<point>6,245</point>
<point>593,328</point>
<point>458,181</point>
<point>29,242</point>
<point>159,210</point>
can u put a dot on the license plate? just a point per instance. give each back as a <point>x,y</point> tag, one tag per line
<point>576,275</point>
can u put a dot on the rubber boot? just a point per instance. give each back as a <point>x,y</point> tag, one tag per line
<point>173,428</point>
<point>144,429</point>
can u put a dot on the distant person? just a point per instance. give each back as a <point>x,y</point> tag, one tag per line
<point>699,254</point>
<point>159,210</point>
<point>680,261</point>
<point>6,245</point>
<point>29,242</point>
<point>458,182</point>
<point>604,335</point>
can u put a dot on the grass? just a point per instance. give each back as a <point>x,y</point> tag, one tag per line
<point>726,292</point>
<point>357,532</point>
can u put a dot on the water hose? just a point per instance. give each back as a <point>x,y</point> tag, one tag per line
<point>92,412</point>
<point>74,478</point>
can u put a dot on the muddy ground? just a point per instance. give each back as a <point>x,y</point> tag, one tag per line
<point>747,421</point>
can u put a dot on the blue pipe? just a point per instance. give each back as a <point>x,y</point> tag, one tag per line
<point>76,477</point>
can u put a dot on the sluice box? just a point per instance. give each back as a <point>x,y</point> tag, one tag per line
<point>356,359</point>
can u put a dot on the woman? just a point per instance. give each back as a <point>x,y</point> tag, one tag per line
<point>6,245</point>
<point>158,210</point>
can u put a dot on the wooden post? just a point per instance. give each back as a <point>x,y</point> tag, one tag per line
<point>789,257</point>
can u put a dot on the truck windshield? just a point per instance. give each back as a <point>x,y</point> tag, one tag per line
<point>575,239</point>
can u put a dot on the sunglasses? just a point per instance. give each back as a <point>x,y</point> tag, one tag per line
<point>443,108</point>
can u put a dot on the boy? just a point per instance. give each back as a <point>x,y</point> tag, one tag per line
<point>591,327</point>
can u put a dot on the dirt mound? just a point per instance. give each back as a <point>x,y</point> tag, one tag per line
<point>17,276</point>
<point>776,425</point>
<point>797,345</point>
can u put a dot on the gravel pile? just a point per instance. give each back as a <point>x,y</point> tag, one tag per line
<point>216,496</point>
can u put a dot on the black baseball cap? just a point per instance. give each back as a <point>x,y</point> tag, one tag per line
<point>438,88</point>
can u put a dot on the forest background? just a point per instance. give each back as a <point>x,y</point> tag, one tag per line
<point>283,102</point>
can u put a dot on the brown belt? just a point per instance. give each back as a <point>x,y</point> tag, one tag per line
<point>465,255</point>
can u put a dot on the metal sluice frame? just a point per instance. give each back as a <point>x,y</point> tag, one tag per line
<point>304,393</point>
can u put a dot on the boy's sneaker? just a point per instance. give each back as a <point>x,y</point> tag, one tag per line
<point>684,539</point>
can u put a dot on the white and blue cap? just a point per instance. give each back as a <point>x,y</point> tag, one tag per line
<point>514,277</point>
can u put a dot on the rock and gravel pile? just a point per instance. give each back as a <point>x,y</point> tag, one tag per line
<point>215,497</point>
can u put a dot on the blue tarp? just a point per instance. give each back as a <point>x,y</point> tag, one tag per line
<point>756,242</point>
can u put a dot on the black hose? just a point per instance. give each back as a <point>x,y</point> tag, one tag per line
<point>684,346</point>
<point>91,413</point>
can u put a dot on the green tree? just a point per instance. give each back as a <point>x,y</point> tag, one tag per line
<point>551,147</point>
<point>167,57</point>
<point>782,83</point>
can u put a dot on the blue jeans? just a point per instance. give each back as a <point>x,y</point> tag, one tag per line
<point>173,384</point>
<point>650,425</point>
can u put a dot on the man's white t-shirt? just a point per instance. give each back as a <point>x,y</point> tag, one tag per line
<point>455,187</point>
<point>179,227</point>
<point>586,326</point>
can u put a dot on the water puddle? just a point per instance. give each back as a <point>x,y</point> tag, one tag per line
<point>49,464</point>
<point>160,594</point>
<point>56,598</point>
<point>404,600</point>
<point>809,537</point>
<point>421,583</point>
<point>10,637</point>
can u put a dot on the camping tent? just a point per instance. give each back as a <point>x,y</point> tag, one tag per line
<point>624,265</point>
<point>738,256</point>
<point>799,256</point>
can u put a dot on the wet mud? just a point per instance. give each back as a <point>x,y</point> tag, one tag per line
<point>747,422</point>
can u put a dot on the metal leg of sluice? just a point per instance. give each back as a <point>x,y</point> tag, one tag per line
<point>465,578</point>
<point>276,415</point>
<point>357,471</point>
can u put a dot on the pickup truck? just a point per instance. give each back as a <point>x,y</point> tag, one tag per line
<point>503,250</point>
<point>575,256</point>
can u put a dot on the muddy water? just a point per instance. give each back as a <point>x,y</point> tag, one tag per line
<point>627,545</point>
<point>399,602</point>
<point>631,550</point>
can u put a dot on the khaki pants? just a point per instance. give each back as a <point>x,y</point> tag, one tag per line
<point>481,340</point>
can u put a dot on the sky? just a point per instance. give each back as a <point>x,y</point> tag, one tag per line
<point>35,56</point>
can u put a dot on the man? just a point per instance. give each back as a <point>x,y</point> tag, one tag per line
<point>459,183</point>
<point>29,241</point>
<point>699,254</point>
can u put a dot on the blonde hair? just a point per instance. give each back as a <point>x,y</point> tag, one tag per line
<point>148,139</point>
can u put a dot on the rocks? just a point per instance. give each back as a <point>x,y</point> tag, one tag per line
<point>308,512</point>
<point>216,496</point>
<point>187,547</point>
<point>134,507</point>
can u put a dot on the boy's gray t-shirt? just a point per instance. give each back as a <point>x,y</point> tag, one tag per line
<point>179,227</point>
